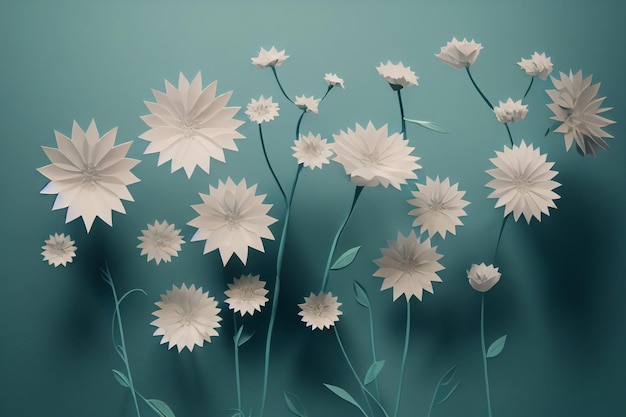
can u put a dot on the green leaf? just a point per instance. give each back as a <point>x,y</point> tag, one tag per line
<point>237,336</point>
<point>343,394</point>
<point>428,125</point>
<point>496,347</point>
<point>244,338</point>
<point>294,404</point>
<point>346,259</point>
<point>448,394</point>
<point>160,408</point>
<point>552,128</point>
<point>361,295</point>
<point>373,371</point>
<point>121,378</point>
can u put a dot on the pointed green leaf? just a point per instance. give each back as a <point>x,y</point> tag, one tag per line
<point>343,394</point>
<point>121,378</point>
<point>346,258</point>
<point>448,394</point>
<point>428,125</point>
<point>244,338</point>
<point>447,377</point>
<point>496,347</point>
<point>361,295</point>
<point>373,371</point>
<point>237,335</point>
<point>294,404</point>
<point>552,128</point>
<point>160,408</point>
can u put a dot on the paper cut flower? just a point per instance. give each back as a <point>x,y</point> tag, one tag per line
<point>333,80</point>
<point>262,110</point>
<point>439,206</point>
<point>538,65</point>
<point>523,182</point>
<point>482,277</point>
<point>408,266</point>
<point>160,242</point>
<point>232,219</point>
<point>246,294</point>
<point>370,157</point>
<point>186,317</point>
<point>307,103</point>
<point>459,54</point>
<point>89,174</point>
<point>397,75</point>
<point>577,108</point>
<point>312,151</point>
<point>510,111</point>
<point>271,58</point>
<point>190,125</point>
<point>320,311</point>
<point>58,250</point>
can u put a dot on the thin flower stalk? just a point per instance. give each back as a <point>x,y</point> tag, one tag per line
<point>371,317</point>
<point>529,86</point>
<point>269,165</point>
<point>402,114</point>
<point>282,90</point>
<point>407,335</point>
<point>237,373</point>
<point>484,351</point>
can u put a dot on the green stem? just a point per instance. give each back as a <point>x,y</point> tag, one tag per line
<point>330,87</point>
<point>237,377</point>
<point>500,235</point>
<point>529,85</point>
<point>482,343</point>
<point>509,132</point>
<point>432,402</point>
<point>270,165</point>
<point>404,354</point>
<point>478,89</point>
<point>369,309</point>
<point>402,114</point>
<point>280,85</point>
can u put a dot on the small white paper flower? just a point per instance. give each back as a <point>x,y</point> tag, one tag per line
<point>538,65</point>
<point>482,277</point>
<point>523,182</point>
<point>408,266</point>
<point>271,58</point>
<point>186,317</point>
<point>320,311</point>
<point>372,158</point>
<point>577,106</point>
<point>58,250</point>
<point>246,294</point>
<point>510,111</point>
<point>189,125</point>
<point>262,110</point>
<point>312,151</point>
<point>160,241</point>
<point>439,206</point>
<point>459,54</point>
<point>333,80</point>
<point>232,219</point>
<point>89,174</point>
<point>307,103</point>
<point>397,75</point>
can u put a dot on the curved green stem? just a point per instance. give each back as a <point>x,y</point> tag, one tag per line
<point>407,335</point>
<point>369,309</point>
<point>529,85</point>
<point>509,132</point>
<point>402,114</point>
<point>432,402</point>
<point>270,165</point>
<point>237,377</point>
<point>500,235</point>
<point>280,85</point>
<point>330,87</point>
<point>478,89</point>
<point>299,123</point>
<point>482,344</point>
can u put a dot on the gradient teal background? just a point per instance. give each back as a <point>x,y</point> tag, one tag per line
<point>561,296</point>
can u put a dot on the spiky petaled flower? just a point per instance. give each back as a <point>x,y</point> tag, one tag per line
<point>190,125</point>
<point>372,158</point>
<point>523,182</point>
<point>320,311</point>
<point>232,219</point>
<point>397,75</point>
<point>510,111</point>
<point>160,241</point>
<point>483,277</point>
<point>262,110</point>
<point>307,103</point>
<point>312,151</point>
<point>576,106</point>
<point>408,266</point>
<point>246,294</point>
<point>439,206</point>
<point>333,80</point>
<point>58,250</point>
<point>186,317</point>
<point>538,65</point>
<point>271,58</point>
<point>89,174</point>
<point>459,54</point>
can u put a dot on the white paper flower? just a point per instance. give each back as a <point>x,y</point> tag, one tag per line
<point>190,125</point>
<point>307,103</point>
<point>459,54</point>
<point>186,317</point>
<point>246,294</point>
<point>482,277</point>
<point>439,206</point>
<point>523,182</point>
<point>160,241</point>
<point>312,151</point>
<point>538,65</point>
<point>320,311</point>
<point>232,219</point>
<point>58,250</point>
<point>370,157</point>
<point>333,80</point>
<point>577,107</point>
<point>510,111</point>
<point>271,58</point>
<point>262,110</point>
<point>408,266</point>
<point>89,174</point>
<point>397,75</point>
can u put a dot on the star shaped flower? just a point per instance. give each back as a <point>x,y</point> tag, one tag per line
<point>320,311</point>
<point>510,111</point>
<point>538,65</point>
<point>262,110</point>
<point>459,54</point>
<point>160,241</point>
<point>483,277</point>
<point>312,151</point>
<point>58,250</point>
<point>333,80</point>
<point>271,58</point>
<point>246,294</point>
<point>397,75</point>
<point>307,103</point>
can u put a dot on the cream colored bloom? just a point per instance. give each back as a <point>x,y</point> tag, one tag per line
<point>160,241</point>
<point>333,80</point>
<point>320,311</point>
<point>537,66</point>
<point>482,277</point>
<point>262,110</point>
<point>510,111</point>
<point>307,103</point>
<point>246,294</point>
<point>271,58</point>
<point>58,250</point>
<point>459,54</point>
<point>312,151</point>
<point>397,75</point>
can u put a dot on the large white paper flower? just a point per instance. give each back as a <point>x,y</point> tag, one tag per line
<point>523,182</point>
<point>160,241</point>
<point>370,157</point>
<point>307,103</point>
<point>397,75</point>
<point>58,250</point>
<point>439,206</point>
<point>89,174</point>
<point>510,111</point>
<point>538,65</point>
<point>577,107</point>
<point>262,110</point>
<point>483,277</point>
<point>320,311</point>
<point>333,80</point>
<point>232,219</point>
<point>459,54</point>
<point>271,58</point>
<point>312,151</point>
<point>190,125</point>
<point>186,317</point>
<point>246,294</point>
<point>408,266</point>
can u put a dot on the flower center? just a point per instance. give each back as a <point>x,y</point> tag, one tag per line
<point>313,149</point>
<point>370,159</point>
<point>90,175</point>
<point>522,185</point>
<point>232,220</point>
<point>247,293</point>
<point>575,119</point>
<point>262,109</point>
<point>410,266</point>
<point>188,127</point>
<point>318,310</point>
<point>57,249</point>
<point>188,319</point>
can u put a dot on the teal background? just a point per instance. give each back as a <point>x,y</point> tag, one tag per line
<point>560,299</point>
